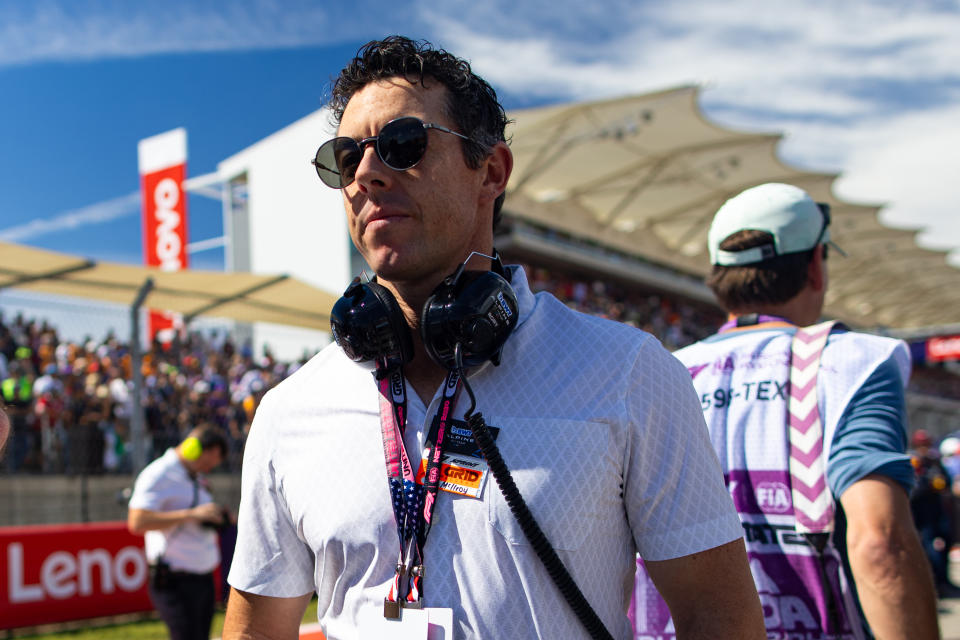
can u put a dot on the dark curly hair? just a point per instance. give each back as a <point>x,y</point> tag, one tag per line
<point>471,102</point>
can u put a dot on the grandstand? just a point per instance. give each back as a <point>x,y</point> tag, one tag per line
<point>607,209</point>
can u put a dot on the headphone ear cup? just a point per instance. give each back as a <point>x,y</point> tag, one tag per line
<point>399,340</point>
<point>191,448</point>
<point>368,325</point>
<point>477,311</point>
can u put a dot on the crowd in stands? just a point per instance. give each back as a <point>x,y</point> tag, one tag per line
<point>70,403</point>
<point>675,323</point>
<point>932,381</point>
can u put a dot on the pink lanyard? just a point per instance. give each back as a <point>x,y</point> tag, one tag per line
<point>412,504</point>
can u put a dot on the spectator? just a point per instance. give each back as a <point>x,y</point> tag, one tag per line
<point>930,506</point>
<point>171,504</point>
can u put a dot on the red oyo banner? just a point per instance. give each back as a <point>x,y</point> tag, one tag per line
<point>165,219</point>
<point>55,573</point>
<point>163,168</point>
<point>943,348</point>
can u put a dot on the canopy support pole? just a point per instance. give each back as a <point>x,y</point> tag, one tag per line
<point>137,419</point>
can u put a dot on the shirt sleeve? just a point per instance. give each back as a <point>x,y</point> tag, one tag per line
<point>871,436</point>
<point>148,491</point>
<point>270,558</point>
<point>676,499</point>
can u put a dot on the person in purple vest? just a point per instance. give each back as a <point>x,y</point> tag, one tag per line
<point>809,425</point>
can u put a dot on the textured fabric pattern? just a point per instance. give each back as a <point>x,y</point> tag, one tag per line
<point>599,426</point>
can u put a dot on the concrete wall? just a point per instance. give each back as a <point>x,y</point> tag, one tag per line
<point>34,499</point>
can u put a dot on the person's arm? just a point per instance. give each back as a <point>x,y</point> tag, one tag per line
<point>890,570</point>
<point>4,427</point>
<point>253,617</point>
<point>143,520</point>
<point>711,594</point>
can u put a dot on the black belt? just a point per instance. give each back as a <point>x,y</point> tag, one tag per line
<point>183,574</point>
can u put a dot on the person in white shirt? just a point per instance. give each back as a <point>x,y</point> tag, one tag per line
<point>596,421</point>
<point>172,506</point>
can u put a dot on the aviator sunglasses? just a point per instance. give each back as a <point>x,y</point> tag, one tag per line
<point>400,145</point>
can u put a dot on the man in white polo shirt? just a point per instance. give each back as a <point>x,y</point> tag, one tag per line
<point>172,506</point>
<point>597,423</point>
<point>809,424</point>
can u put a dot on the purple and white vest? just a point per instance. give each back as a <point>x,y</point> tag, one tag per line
<point>779,488</point>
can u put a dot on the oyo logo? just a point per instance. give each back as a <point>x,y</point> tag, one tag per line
<point>169,246</point>
<point>773,497</point>
<point>64,575</point>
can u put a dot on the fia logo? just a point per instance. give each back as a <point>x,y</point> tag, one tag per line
<point>773,497</point>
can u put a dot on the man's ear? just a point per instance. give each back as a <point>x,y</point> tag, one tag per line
<point>817,270</point>
<point>497,168</point>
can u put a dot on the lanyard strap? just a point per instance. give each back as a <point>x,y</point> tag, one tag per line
<point>433,453</point>
<point>412,504</point>
<point>751,320</point>
<point>404,492</point>
<point>812,501</point>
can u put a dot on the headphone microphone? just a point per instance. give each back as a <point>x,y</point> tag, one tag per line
<point>476,310</point>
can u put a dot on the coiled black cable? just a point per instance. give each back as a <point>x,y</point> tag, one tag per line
<point>528,524</point>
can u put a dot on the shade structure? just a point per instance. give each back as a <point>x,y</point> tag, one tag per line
<point>643,175</point>
<point>244,297</point>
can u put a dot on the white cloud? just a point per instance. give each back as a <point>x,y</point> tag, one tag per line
<point>866,88</point>
<point>92,214</point>
<point>66,30</point>
<point>912,162</point>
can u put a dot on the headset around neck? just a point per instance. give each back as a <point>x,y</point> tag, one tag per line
<point>475,310</point>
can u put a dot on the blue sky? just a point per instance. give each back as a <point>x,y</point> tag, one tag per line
<point>869,89</point>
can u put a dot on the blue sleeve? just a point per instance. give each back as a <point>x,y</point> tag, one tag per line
<point>871,436</point>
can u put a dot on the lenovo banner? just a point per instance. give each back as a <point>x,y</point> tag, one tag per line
<point>163,168</point>
<point>943,348</point>
<point>55,573</point>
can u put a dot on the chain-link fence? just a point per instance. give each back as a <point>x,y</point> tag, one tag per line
<point>66,376</point>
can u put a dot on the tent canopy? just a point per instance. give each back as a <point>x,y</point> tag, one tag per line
<point>244,297</point>
<point>643,175</point>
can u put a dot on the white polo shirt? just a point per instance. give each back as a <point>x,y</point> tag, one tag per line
<point>165,485</point>
<point>599,426</point>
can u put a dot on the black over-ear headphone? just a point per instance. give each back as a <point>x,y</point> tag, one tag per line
<point>475,309</point>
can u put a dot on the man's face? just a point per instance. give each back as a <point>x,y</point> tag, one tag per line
<point>415,225</point>
<point>209,460</point>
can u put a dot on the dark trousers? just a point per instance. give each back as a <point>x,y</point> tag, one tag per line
<point>185,603</point>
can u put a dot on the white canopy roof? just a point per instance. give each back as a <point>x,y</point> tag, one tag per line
<point>643,175</point>
<point>245,297</point>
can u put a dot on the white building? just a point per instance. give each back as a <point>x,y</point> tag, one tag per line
<point>278,217</point>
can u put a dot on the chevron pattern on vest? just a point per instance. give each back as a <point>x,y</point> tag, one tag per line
<point>812,502</point>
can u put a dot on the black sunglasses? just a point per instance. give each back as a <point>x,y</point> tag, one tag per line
<point>400,145</point>
<point>825,214</point>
